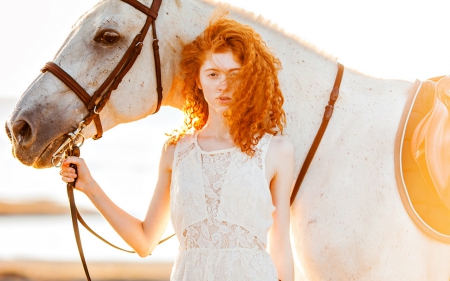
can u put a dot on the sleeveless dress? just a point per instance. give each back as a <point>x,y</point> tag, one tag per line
<point>221,210</point>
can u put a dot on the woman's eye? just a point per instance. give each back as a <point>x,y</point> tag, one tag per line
<point>108,37</point>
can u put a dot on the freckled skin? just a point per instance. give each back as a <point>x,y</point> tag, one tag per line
<point>213,80</point>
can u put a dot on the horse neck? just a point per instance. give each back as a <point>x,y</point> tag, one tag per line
<point>179,23</point>
<point>303,67</point>
<point>306,80</point>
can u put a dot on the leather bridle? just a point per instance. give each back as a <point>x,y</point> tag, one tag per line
<point>98,100</point>
<point>96,103</point>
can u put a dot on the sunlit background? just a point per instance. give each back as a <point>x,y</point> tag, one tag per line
<point>385,38</point>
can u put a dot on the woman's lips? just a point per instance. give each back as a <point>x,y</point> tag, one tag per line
<point>224,99</point>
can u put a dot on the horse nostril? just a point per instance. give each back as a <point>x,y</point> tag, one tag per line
<point>8,132</point>
<point>22,132</point>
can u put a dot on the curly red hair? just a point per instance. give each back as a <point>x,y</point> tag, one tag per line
<point>257,99</point>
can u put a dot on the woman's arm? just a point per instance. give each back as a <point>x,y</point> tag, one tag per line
<point>141,236</point>
<point>280,167</point>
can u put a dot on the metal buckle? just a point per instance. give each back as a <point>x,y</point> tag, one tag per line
<point>76,138</point>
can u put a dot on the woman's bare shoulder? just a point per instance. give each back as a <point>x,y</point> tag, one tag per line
<point>167,156</point>
<point>281,145</point>
<point>280,155</point>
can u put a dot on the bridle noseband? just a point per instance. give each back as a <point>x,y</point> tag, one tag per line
<point>98,100</point>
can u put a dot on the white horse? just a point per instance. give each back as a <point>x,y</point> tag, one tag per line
<point>348,221</point>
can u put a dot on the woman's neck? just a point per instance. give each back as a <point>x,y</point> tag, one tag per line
<point>218,130</point>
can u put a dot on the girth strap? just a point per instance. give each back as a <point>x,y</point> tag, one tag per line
<point>326,118</point>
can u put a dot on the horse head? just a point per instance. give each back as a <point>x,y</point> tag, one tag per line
<point>49,109</point>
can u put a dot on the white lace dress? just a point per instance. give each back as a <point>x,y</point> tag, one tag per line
<point>221,210</point>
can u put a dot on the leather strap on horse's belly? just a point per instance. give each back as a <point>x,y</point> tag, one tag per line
<point>422,127</point>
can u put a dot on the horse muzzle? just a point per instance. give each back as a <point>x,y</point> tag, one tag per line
<point>29,147</point>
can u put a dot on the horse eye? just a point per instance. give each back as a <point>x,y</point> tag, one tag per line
<point>108,37</point>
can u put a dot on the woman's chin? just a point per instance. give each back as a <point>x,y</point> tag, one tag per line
<point>221,109</point>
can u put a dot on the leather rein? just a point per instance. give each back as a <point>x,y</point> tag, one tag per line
<point>96,103</point>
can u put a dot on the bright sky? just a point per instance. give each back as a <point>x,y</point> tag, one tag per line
<point>404,39</point>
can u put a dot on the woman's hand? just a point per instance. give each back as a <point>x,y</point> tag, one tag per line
<point>84,182</point>
<point>141,236</point>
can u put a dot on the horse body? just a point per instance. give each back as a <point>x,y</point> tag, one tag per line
<point>348,222</point>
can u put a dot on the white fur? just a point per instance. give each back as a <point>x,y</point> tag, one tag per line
<point>348,222</point>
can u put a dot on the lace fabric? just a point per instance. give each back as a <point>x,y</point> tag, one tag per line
<point>221,210</point>
<point>212,233</point>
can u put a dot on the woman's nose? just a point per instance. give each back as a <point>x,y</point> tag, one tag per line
<point>223,84</point>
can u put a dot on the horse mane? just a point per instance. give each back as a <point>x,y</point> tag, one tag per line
<point>222,9</point>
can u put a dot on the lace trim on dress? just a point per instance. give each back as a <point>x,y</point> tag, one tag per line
<point>183,153</point>
<point>259,158</point>
<point>213,233</point>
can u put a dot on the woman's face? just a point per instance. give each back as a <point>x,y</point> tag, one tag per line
<point>213,79</point>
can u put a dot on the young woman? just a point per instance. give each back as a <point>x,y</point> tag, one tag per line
<point>225,177</point>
